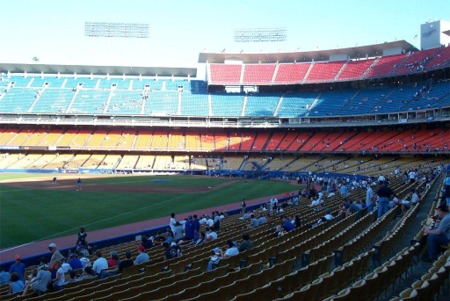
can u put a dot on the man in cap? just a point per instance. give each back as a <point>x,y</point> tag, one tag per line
<point>142,256</point>
<point>18,267</point>
<point>56,258</point>
<point>440,235</point>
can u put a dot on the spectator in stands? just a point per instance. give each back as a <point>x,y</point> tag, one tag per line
<point>254,222</point>
<point>410,200</point>
<point>60,279</point>
<point>81,238</point>
<point>84,260</point>
<point>440,235</point>
<point>146,242</point>
<point>18,267</point>
<point>215,259</point>
<point>370,198</point>
<point>16,285</point>
<point>262,218</point>
<point>171,250</point>
<point>217,221</point>
<point>4,276</point>
<point>384,194</point>
<point>39,284</point>
<point>114,260</point>
<point>88,273</point>
<point>297,221</point>
<point>100,263</point>
<point>142,256</point>
<point>210,234</point>
<point>127,262</point>
<point>201,239</point>
<point>286,224</point>
<point>246,243</point>
<point>177,231</point>
<point>75,262</point>
<point>232,250</point>
<point>243,206</point>
<point>55,259</point>
<point>189,229</point>
<point>172,222</point>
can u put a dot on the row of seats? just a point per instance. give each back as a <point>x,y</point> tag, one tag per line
<point>314,72</point>
<point>406,141</point>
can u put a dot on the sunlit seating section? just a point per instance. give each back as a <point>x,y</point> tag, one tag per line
<point>330,103</point>
<point>258,74</point>
<point>81,139</point>
<point>90,102</point>
<point>440,60</point>
<point>193,142</point>
<point>120,83</point>
<point>34,138</point>
<point>109,162</point>
<point>143,140</point>
<point>207,141</point>
<point>6,160</point>
<point>182,163</point>
<point>296,105</point>
<point>60,161</point>
<point>160,140</point>
<point>27,162</point>
<point>43,161</point>
<point>18,100</point>
<point>173,85</point>
<point>126,140</point>
<point>175,141</point>
<point>139,84</point>
<point>221,141</point>
<point>396,99</point>
<point>247,141</point>
<point>435,97</point>
<point>21,137</point>
<point>77,161</point>
<point>261,105</point>
<point>194,104</point>
<point>163,162</point>
<point>145,162</point>
<point>20,80</point>
<point>234,143</point>
<point>66,138</point>
<point>161,103</point>
<point>227,105</point>
<point>354,70</point>
<point>93,162</point>
<point>232,163</point>
<point>125,102</point>
<point>52,81</point>
<point>291,73</point>
<point>53,101</point>
<point>323,71</point>
<point>111,140</point>
<point>416,61</point>
<point>365,101</point>
<point>88,83</point>
<point>51,138</point>
<point>385,65</point>
<point>127,162</point>
<point>225,73</point>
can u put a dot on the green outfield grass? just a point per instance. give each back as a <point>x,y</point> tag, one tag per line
<point>28,215</point>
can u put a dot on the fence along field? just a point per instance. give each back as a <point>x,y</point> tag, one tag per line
<point>32,208</point>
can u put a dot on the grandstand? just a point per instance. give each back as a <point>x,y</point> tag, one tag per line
<point>288,117</point>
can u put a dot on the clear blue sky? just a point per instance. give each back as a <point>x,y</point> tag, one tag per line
<point>53,30</point>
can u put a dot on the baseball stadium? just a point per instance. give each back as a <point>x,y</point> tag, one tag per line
<point>282,135</point>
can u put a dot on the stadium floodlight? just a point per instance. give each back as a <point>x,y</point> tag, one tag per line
<point>260,35</point>
<point>116,30</point>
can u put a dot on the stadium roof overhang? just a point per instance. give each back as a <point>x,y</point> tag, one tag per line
<point>356,52</point>
<point>97,70</point>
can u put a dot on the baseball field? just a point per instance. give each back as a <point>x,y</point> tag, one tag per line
<point>33,207</point>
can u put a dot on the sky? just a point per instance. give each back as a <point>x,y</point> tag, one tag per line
<point>53,30</point>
